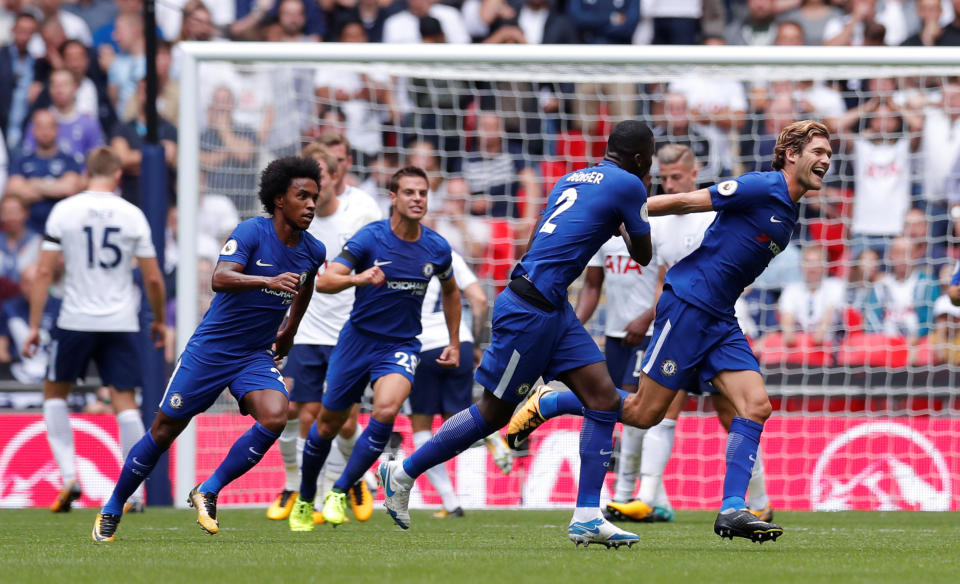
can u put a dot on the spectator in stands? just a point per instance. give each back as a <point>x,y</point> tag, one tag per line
<point>228,151</point>
<point>404,26</point>
<point>15,325</point>
<point>45,175</point>
<point>874,133</point>
<point>127,142</point>
<point>939,128</point>
<point>16,76</point>
<point>907,295</point>
<point>378,179</point>
<point>497,181</point>
<point>73,26</point>
<point>927,255</point>
<point>168,89</point>
<point>19,245</point>
<point>931,33</point>
<point>718,107</point>
<point>9,10</point>
<point>292,18</point>
<point>813,16</point>
<point>676,22</point>
<point>129,65</point>
<point>251,13</point>
<point>756,26</point>
<point>772,111</point>
<point>197,26</point>
<point>857,26</point>
<point>104,39</point>
<point>789,34</point>
<point>77,133</point>
<point>96,13</point>
<point>539,20</point>
<point>676,127</point>
<point>945,338</point>
<point>811,308</point>
<point>864,312</point>
<point>366,100</point>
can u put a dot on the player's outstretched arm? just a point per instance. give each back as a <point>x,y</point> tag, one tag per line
<point>297,310</point>
<point>450,297</point>
<point>589,296</point>
<point>337,277</point>
<point>157,296</point>
<point>229,277</point>
<point>680,204</point>
<point>639,246</point>
<point>39,293</point>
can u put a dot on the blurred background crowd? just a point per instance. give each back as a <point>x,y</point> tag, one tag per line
<point>865,285</point>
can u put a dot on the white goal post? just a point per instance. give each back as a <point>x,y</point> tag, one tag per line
<point>572,64</point>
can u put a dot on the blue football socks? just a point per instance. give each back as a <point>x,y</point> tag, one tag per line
<point>139,463</point>
<point>742,444</point>
<point>596,446</point>
<point>454,436</point>
<point>245,453</point>
<point>558,403</point>
<point>368,448</point>
<point>315,451</point>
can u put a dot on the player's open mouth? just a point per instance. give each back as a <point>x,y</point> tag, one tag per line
<point>820,172</point>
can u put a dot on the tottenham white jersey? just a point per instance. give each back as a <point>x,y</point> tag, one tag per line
<point>327,313</point>
<point>630,286</point>
<point>434,335</point>
<point>675,236</point>
<point>99,235</point>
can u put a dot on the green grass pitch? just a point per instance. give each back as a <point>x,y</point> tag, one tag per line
<point>509,547</point>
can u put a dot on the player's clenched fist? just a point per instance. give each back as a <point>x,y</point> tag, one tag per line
<point>369,276</point>
<point>285,282</point>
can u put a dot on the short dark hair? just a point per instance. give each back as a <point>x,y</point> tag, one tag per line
<point>430,27</point>
<point>394,183</point>
<point>68,42</point>
<point>277,176</point>
<point>630,137</point>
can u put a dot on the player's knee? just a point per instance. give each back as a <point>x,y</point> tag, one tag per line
<point>758,409</point>
<point>385,413</point>
<point>349,427</point>
<point>274,421</point>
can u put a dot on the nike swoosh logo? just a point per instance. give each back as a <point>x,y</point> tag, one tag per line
<point>605,452</point>
<point>752,458</point>
<point>137,462</point>
<point>592,527</point>
<point>773,219</point>
<point>255,452</point>
<point>263,265</point>
<point>379,263</point>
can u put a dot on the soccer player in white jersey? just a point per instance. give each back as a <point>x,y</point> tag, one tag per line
<point>336,219</point>
<point>99,236</point>
<point>441,391</point>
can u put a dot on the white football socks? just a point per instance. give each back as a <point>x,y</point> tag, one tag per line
<point>438,475</point>
<point>288,452</point>
<point>628,464</point>
<point>657,447</point>
<point>757,488</point>
<point>60,436</point>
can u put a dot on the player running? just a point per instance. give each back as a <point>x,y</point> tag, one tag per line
<point>266,267</point>
<point>98,234</point>
<point>536,333</point>
<point>394,261</point>
<point>696,336</point>
<point>336,219</point>
<point>648,451</point>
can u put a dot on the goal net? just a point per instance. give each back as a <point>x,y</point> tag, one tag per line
<point>852,324</point>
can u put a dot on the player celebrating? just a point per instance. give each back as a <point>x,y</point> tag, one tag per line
<point>535,331</point>
<point>98,234</point>
<point>398,256</point>
<point>266,267</point>
<point>696,336</point>
<point>336,219</point>
<point>438,390</point>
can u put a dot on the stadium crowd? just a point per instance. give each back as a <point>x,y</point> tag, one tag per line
<point>866,282</point>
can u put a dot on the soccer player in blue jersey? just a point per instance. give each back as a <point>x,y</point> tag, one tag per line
<point>536,332</point>
<point>696,336</point>
<point>266,268</point>
<point>393,261</point>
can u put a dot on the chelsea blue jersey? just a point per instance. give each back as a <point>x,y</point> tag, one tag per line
<point>392,310</point>
<point>583,211</point>
<point>239,324</point>
<point>755,220</point>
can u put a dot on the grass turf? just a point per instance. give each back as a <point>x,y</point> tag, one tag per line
<point>512,547</point>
